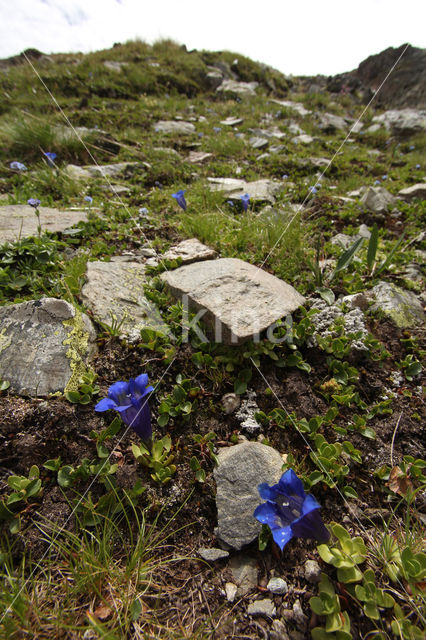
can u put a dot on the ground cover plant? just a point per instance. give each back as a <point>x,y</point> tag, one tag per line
<point>103,514</point>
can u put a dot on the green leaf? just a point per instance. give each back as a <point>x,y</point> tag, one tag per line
<point>372,246</point>
<point>387,260</point>
<point>64,476</point>
<point>163,419</point>
<point>346,257</point>
<point>102,451</point>
<point>349,492</point>
<point>135,609</point>
<point>240,387</point>
<point>73,396</point>
<point>53,464</point>
<point>326,294</point>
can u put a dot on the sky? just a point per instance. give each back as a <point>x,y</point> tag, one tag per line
<point>298,37</point>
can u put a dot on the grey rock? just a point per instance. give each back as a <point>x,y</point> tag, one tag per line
<point>258,143</point>
<point>304,138</point>
<point>356,127</point>
<point>342,240</point>
<point>247,412</point>
<point>231,122</point>
<point>236,299</point>
<point>294,106</point>
<point>259,191</point>
<point>363,232</point>
<point>230,403</point>
<point>312,571</point>
<point>374,127</point>
<point>147,252</point>
<point>404,121</point>
<point>330,123</point>
<point>19,221</point>
<point>277,585</point>
<point>300,618</point>
<point>114,65</point>
<point>295,129</point>
<point>415,191</point>
<point>377,199</point>
<point>198,157</point>
<point>168,151</point>
<point>174,127</point>
<point>402,306</point>
<point>106,170</point>
<point>214,79</point>
<point>45,346</point>
<point>212,554</point>
<point>244,573</point>
<point>114,292</point>
<point>231,591</point>
<point>189,251</point>
<point>238,88</point>
<point>278,631</point>
<point>240,470</point>
<point>319,162</point>
<point>116,189</point>
<point>263,607</point>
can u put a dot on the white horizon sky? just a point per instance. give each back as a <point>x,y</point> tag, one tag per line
<point>305,38</point>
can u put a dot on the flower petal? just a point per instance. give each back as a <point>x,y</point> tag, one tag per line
<point>139,419</point>
<point>311,526</point>
<point>282,536</point>
<point>289,484</point>
<point>105,404</point>
<point>266,513</point>
<point>141,382</point>
<point>119,392</point>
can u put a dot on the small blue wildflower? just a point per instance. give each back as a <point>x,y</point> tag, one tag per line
<point>50,158</point>
<point>284,176</point>
<point>34,202</point>
<point>417,166</point>
<point>245,201</point>
<point>313,190</point>
<point>318,185</point>
<point>217,129</point>
<point>180,198</point>
<point>88,199</point>
<point>377,182</point>
<point>239,135</point>
<point>158,184</point>
<point>385,176</point>
<point>200,134</point>
<point>18,166</point>
<point>143,211</point>
<point>130,400</point>
<point>289,512</point>
<point>411,147</point>
<point>231,204</point>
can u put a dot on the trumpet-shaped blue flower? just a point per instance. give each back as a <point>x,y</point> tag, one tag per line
<point>313,190</point>
<point>18,166</point>
<point>289,512</point>
<point>180,198</point>
<point>130,399</point>
<point>50,158</point>
<point>34,202</point>
<point>245,201</point>
<point>88,199</point>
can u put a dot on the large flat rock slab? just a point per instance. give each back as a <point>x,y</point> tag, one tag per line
<point>19,221</point>
<point>114,292</point>
<point>240,470</point>
<point>103,170</point>
<point>177,127</point>
<point>258,190</point>
<point>238,300</point>
<point>44,346</point>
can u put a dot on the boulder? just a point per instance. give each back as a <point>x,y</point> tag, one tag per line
<point>377,199</point>
<point>401,306</point>
<point>235,299</point>
<point>231,87</point>
<point>44,346</point>
<point>404,121</point>
<point>415,191</point>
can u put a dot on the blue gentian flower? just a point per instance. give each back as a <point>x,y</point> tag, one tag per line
<point>130,399</point>
<point>88,199</point>
<point>50,158</point>
<point>34,202</point>
<point>289,512</point>
<point>377,182</point>
<point>18,166</point>
<point>180,198</point>
<point>245,201</point>
<point>158,184</point>
<point>284,176</point>
<point>313,190</point>
<point>238,135</point>
<point>143,211</point>
<point>217,129</point>
<point>230,202</point>
<point>411,147</point>
<point>385,176</point>
<point>417,166</point>
<point>200,134</point>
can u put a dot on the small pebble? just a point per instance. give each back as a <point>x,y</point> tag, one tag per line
<point>231,591</point>
<point>212,554</point>
<point>262,608</point>
<point>277,585</point>
<point>312,571</point>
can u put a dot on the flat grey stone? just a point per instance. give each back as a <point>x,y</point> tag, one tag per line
<point>174,127</point>
<point>105,170</point>
<point>263,607</point>
<point>116,189</point>
<point>115,65</point>
<point>277,585</point>
<point>231,122</point>
<point>114,293</point>
<point>278,631</point>
<point>19,221</point>
<point>416,191</point>
<point>294,106</point>
<point>44,346</point>
<point>263,190</point>
<point>244,573</point>
<point>240,470</point>
<point>312,571</point>
<point>237,300</point>
<point>319,162</point>
<point>329,122</point>
<point>238,88</point>
<point>198,157</point>
<point>211,554</point>
<point>294,128</point>
<point>258,143</point>
<point>402,306</point>
<point>214,79</point>
<point>231,591</point>
<point>304,138</point>
<point>377,199</point>
<point>189,251</point>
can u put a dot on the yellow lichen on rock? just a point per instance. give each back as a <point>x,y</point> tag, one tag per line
<point>78,341</point>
